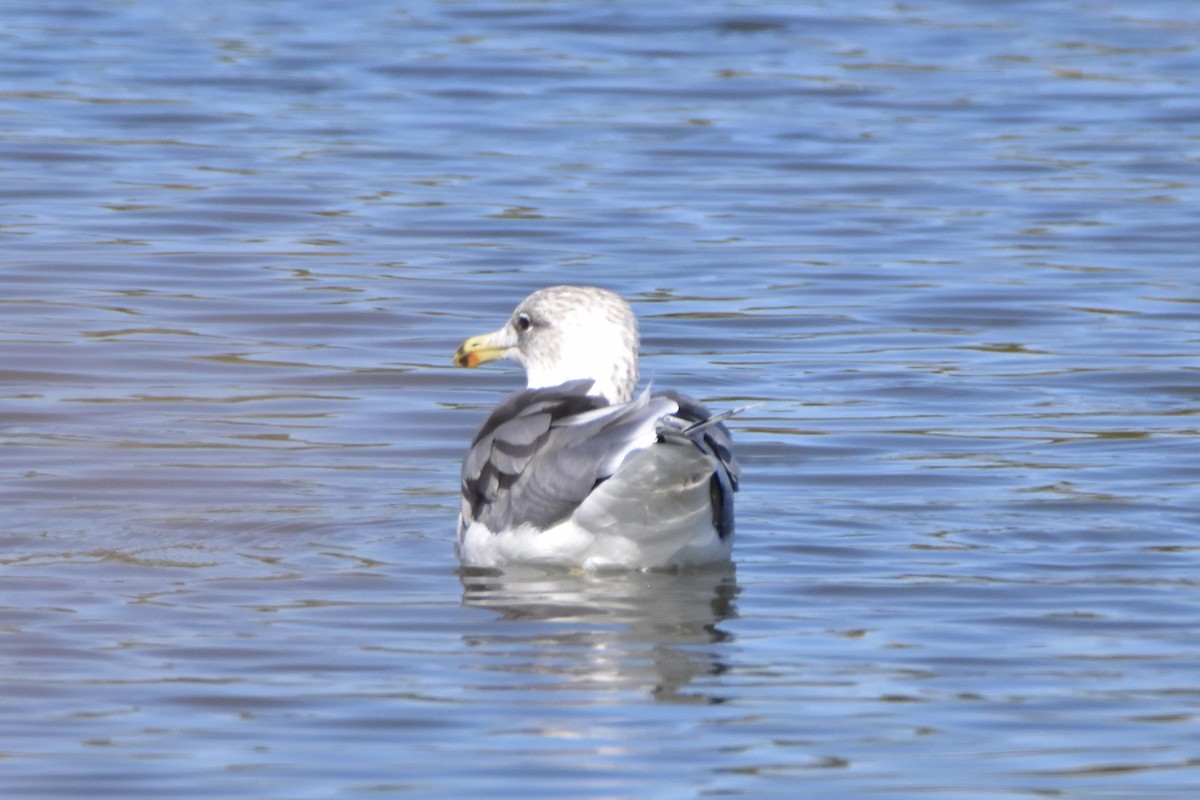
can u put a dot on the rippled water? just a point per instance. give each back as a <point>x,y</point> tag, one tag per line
<point>950,248</point>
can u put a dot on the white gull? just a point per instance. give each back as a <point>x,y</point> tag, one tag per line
<point>575,470</point>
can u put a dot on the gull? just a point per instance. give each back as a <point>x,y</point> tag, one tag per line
<point>575,470</point>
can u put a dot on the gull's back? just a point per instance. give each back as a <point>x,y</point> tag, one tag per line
<point>556,475</point>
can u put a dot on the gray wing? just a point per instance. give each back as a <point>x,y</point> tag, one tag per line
<point>708,431</point>
<point>543,451</point>
<point>694,423</point>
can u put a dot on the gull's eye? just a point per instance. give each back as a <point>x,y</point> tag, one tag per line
<point>524,323</point>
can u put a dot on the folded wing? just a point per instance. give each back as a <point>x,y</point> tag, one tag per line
<point>545,455</point>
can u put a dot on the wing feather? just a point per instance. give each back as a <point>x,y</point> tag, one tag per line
<point>542,452</point>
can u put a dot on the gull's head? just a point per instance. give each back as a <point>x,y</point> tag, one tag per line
<point>564,333</point>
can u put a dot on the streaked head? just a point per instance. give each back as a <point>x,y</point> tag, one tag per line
<point>564,333</point>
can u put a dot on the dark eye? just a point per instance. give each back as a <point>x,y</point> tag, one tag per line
<point>524,323</point>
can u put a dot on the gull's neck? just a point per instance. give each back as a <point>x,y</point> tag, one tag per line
<point>614,381</point>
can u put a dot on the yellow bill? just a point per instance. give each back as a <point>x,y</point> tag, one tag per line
<point>480,350</point>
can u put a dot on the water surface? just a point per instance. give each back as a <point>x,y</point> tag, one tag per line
<point>949,249</point>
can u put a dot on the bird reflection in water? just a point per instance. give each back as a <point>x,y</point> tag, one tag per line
<point>653,632</point>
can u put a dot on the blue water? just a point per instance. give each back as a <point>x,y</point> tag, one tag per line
<point>949,249</point>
